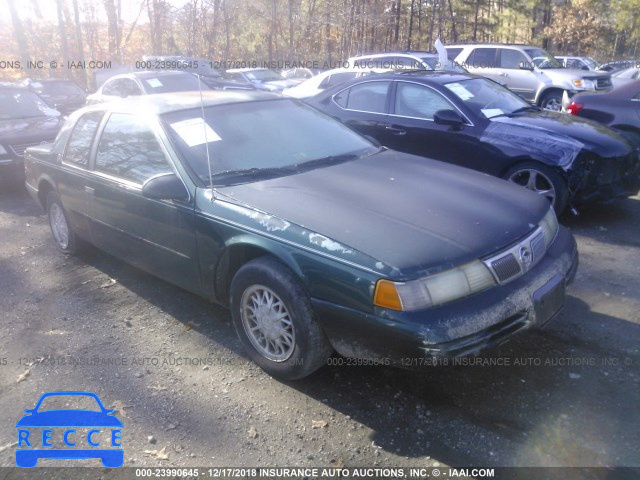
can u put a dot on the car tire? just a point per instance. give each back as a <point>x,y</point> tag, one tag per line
<point>63,235</point>
<point>552,101</point>
<point>283,336</point>
<point>543,180</point>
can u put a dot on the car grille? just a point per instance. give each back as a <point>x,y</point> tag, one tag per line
<point>19,149</point>
<point>603,83</point>
<point>518,259</point>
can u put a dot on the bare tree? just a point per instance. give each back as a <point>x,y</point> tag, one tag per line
<point>19,34</point>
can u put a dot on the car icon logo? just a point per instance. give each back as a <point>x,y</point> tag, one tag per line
<point>525,258</point>
<point>69,433</point>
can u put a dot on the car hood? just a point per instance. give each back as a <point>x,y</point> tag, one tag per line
<point>556,137</point>
<point>13,129</point>
<point>570,73</point>
<point>284,83</point>
<point>69,418</point>
<point>409,216</point>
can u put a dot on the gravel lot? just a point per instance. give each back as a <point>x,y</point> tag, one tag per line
<point>568,395</point>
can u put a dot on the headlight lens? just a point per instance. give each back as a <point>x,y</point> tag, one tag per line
<point>549,226</point>
<point>2,150</point>
<point>584,83</point>
<point>433,290</point>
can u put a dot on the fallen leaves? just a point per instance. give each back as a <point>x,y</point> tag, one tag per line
<point>158,454</point>
<point>7,446</point>
<point>109,283</point>
<point>319,424</point>
<point>23,376</point>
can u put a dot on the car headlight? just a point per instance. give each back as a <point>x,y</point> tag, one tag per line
<point>584,84</point>
<point>549,226</point>
<point>2,150</point>
<point>435,289</point>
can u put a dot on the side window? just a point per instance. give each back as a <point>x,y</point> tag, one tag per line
<point>79,145</point>
<point>419,102</point>
<point>453,52</point>
<point>128,149</point>
<point>511,58</point>
<point>337,78</point>
<point>130,88</point>
<point>482,58</point>
<point>365,97</point>
<point>112,87</point>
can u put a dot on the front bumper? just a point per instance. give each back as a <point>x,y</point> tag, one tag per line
<point>12,170</point>
<point>461,328</point>
<point>596,179</point>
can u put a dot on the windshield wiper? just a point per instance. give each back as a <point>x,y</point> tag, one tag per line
<point>516,111</point>
<point>229,176</point>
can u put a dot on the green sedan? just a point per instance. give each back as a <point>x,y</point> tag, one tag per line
<point>317,239</point>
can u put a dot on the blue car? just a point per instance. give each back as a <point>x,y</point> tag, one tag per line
<point>69,419</point>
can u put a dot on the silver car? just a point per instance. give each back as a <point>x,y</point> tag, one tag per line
<point>529,71</point>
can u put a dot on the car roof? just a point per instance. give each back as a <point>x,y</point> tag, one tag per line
<point>428,76</point>
<point>243,70</point>
<point>162,103</point>
<point>150,74</point>
<point>491,44</point>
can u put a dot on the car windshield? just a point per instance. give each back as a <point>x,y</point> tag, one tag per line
<point>66,402</point>
<point>183,82</point>
<point>23,104</point>
<point>486,98</point>
<point>264,75</point>
<point>543,59</point>
<point>590,62</point>
<point>434,62</point>
<point>57,88</point>
<point>258,140</point>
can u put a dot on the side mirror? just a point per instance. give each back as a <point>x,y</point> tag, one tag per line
<point>448,117</point>
<point>525,66</point>
<point>167,186</point>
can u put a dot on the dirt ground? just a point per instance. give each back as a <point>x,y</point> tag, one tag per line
<point>567,395</point>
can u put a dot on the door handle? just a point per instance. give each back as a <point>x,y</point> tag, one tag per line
<point>395,130</point>
<point>503,74</point>
<point>90,190</point>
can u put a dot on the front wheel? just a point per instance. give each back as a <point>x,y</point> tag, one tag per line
<point>274,320</point>
<point>552,101</point>
<point>542,180</point>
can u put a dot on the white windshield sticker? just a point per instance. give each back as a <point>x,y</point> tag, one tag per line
<point>195,132</point>
<point>460,91</point>
<point>154,83</point>
<point>491,112</point>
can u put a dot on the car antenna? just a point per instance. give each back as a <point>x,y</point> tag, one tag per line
<point>206,141</point>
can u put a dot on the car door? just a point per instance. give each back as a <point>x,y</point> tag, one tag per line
<point>412,128</point>
<point>482,61</point>
<point>73,188</point>
<point>518,80</point>
<point>364,107</point>
<point>155,235</point>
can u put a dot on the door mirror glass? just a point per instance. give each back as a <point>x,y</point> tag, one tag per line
<point>165,187</point>
<point>448,117</point>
